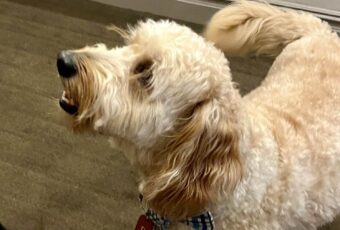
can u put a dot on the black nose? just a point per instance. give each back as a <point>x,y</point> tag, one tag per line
<point>66,64</point>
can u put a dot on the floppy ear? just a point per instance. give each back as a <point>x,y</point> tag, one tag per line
<point>199,164</point>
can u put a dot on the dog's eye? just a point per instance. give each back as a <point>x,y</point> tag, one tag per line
<point>142,66</point>
<point>143,70</point>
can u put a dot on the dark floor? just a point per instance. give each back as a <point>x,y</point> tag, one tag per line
<point>51,178</point>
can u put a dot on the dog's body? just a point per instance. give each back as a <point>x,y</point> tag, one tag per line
<point>269,160</point>
<point>292,136</point>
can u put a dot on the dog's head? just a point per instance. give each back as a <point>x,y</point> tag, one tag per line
<point>167,91</point>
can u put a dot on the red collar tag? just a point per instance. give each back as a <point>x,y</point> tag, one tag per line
<point>144,223</point>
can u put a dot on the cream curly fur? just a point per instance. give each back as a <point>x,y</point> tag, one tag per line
<point>269,160</point>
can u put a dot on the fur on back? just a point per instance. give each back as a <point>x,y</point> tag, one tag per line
<point>292,151</point>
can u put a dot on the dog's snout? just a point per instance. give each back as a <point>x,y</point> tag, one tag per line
<point>66,64</point>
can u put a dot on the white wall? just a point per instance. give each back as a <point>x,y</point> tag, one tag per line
<point>331,7</point>
<point>199,11</point>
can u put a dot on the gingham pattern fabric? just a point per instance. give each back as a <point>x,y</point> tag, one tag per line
<point>204,221</point>
<point>159,221</point>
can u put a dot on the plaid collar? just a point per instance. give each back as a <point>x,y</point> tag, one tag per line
<point>204,221</point>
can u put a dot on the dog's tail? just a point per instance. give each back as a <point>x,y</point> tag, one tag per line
<point>248,27</point>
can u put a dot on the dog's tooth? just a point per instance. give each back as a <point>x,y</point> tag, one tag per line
<point>64,98</point>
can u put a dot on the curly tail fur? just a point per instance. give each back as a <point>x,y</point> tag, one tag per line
<point>248,27</point>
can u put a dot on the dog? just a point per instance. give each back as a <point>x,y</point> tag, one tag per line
<point>268,160</point>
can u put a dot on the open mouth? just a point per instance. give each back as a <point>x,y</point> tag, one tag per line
<point>67,104</point>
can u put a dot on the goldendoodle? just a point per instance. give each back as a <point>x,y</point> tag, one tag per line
<point>207,157</point>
